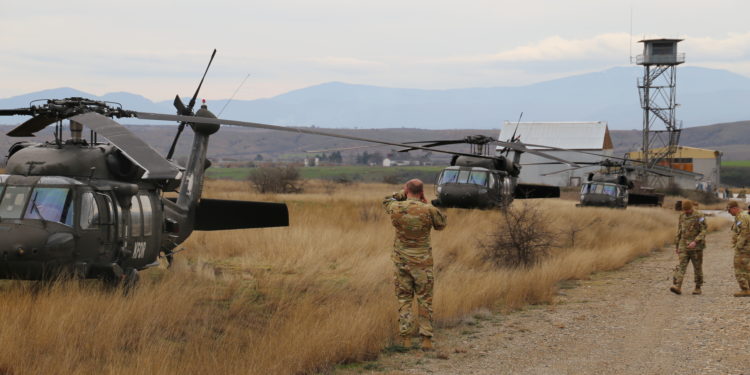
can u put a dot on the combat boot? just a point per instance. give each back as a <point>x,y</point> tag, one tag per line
<point>743,293</point>
<point>675,289</point>
<point>697,290</point>
<point>426,343</point>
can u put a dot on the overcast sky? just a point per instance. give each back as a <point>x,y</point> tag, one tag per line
<point>160,48</point>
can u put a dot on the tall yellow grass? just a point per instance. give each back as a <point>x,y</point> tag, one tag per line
<point>298,299</point>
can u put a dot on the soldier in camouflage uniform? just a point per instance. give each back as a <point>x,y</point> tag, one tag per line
<point>689,245</point>
<point>413,219</point>
<point>741,245</point>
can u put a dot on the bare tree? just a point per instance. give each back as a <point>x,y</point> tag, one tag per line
<point>523,239</point>
<point>276,179</point>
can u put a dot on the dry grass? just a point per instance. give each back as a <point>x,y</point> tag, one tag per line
<point>298,299</point>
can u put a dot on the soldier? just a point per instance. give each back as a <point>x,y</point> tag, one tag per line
<point>689,245</point>
<point>741,245</point>
<point>413,219</point>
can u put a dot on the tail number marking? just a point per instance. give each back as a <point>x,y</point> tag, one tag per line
<point>139,250</point>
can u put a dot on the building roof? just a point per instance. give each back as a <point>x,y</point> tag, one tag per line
<point>570,135</point>
<point>682,152</point>
<point>660,40</point>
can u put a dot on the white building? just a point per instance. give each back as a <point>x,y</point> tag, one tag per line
<point>579,136</point>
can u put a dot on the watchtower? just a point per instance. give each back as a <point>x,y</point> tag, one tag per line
<point>657,94</point>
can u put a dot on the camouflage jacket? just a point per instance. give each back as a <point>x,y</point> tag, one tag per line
<point>741,232</point>
<point>413,221</point>
<point>691,228</point>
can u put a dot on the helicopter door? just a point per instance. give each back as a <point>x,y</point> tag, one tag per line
<point>107,217</point>
<point>92,221</point>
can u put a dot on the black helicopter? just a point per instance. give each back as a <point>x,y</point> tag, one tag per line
<point>482,180</point>
<point>98,210</point>
<point>611,186</point>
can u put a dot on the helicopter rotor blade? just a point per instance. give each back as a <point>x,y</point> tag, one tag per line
<point>163,117</point>
<point>521,147</point>
<point>181,109</point>
<point>513,137</point>
<point>16,112</point>
<point>187,111</point>
<point>341,149</point>
<point>560,171</point>
<point>132,147</point>
<point>31,126</point>
<point>195,96</point>
<point>432,144</point>
<point>584,152</point>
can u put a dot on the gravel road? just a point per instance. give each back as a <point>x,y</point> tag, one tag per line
<point>621,322</point>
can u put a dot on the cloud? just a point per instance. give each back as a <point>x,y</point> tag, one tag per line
<point>556,48</point>
<point>734,46</point>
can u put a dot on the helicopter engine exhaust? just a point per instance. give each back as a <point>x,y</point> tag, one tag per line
<point>76,131</point>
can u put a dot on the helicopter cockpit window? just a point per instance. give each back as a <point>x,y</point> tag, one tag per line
<point>585,188</point>
<point>147,214</point>
<point>14,201</point>
<point>610,190</point>
<point>89,211</point>
<point>463,176</point>
<point>449,176</point>
<point>478,178</point>
<point>51,204</point>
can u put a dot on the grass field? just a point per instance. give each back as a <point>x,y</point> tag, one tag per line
<point>736,163</point>
<point>301,299</point>
<point>348,172</point>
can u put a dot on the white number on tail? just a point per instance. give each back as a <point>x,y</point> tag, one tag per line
<point>139,250</point>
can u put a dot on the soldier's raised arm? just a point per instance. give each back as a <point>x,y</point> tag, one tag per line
<point>395,197</point>
<point>439,220</point>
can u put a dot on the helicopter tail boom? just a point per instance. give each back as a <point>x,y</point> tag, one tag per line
<point>217,214</point>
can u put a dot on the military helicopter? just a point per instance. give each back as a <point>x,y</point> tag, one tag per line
<point>611,187</point>
<point>481,180</point>
<point>98,210</point>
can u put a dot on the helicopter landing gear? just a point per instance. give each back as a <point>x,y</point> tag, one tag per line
<point>117,277</point>
<point>130,281</point>
<point>504,201</point>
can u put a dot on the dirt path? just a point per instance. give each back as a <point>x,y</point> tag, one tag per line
<point>623,322</point>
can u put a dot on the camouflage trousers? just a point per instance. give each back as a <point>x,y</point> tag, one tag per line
<point>742,269</point>
<point>414,281</point>
<point>685,257</point>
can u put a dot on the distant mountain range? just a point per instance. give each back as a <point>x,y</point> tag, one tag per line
<point>706,96</point>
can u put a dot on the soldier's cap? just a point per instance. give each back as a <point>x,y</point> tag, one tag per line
<point>732,204</point>
<point>687,205</point>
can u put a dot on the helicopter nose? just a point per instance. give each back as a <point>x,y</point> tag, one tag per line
<point>460,195</point>
<point>28,241</point>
